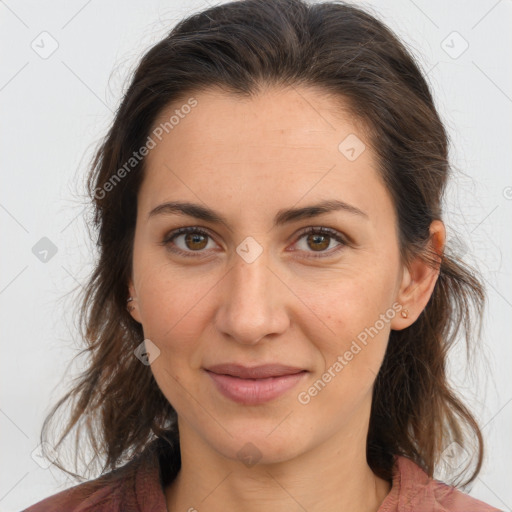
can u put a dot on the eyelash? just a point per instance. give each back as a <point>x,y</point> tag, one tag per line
<point>332,233</point>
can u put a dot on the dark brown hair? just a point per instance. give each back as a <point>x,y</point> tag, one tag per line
<point>242,47</point>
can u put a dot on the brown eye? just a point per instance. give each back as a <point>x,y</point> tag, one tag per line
<point>195,241</point>
<point>319,239</point>
<point>321,242</point>
<point>191,240</point>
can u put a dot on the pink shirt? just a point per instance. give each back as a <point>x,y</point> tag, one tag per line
<point>141,489</point>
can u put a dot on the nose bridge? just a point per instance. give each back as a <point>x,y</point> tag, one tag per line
<point>251,281</point>
<point>250,306</point>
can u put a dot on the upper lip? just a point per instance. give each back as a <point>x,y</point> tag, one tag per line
<point>254,372</point>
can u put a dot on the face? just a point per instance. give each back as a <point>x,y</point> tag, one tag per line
<point>259,287</point>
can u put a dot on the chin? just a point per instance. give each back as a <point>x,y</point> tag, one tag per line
<point>251,445</point>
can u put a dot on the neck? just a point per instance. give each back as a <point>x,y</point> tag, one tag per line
<point>331,477</point>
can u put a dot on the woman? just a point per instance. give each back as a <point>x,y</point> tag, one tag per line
<point>270,314</point>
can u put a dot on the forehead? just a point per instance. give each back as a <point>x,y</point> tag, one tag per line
<point>282,145</point>
<point>308,117</point>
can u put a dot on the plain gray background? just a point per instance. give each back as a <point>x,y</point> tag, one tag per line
<point>64,66</point>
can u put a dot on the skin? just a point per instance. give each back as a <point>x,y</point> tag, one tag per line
<point>247,159</point>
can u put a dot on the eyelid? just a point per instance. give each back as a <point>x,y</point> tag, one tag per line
<point>333,233</point>
<point>171,235</point>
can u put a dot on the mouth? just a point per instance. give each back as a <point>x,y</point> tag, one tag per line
<point>256,385</point>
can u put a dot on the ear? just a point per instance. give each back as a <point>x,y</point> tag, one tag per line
<point>133,306</point>
<point>419,279</point>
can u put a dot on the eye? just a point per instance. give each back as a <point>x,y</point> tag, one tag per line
<point>196,239</point>
<point>321,238</point>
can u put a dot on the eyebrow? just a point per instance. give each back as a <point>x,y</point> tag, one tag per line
<point>282,217</point>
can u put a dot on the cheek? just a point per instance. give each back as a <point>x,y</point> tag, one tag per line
<point>356,313</point>
<point>343,305</point>
<point>351,357</point>
<point>173,315</point>
<point>173,320</point>
<point>170,298</point>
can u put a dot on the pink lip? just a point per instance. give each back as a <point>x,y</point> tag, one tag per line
<point>253,391</point>
<point>254,372</point>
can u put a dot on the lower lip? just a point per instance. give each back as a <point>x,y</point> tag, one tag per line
<point>254,391</point>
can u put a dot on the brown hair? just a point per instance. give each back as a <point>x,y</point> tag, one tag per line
<point>242,47</point>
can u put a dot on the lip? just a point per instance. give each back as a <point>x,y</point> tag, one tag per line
<point>256,385</point>
<point>254,372</point>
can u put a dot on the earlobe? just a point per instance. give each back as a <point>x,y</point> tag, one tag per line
<point>131,303</point>
<point>130,306</point>
<point>131,290</point>
<point>404,312</point>
<point>419,278</point>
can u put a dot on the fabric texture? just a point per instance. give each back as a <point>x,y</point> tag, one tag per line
<point>139,487</point>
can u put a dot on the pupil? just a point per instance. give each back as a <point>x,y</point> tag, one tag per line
<point>193,237</point>
<point>316,237</point>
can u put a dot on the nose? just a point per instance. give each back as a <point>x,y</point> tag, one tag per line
<point>252,302</point>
